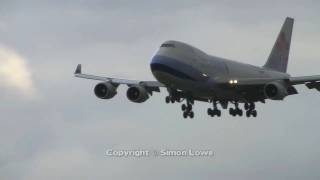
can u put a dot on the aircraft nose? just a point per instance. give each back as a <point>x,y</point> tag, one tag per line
<point>156,61</point>
<point>177,68</point>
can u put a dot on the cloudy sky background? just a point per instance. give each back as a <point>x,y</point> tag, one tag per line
<point>53,127</point>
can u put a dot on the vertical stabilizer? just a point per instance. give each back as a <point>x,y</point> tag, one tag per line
<point>278,58</point>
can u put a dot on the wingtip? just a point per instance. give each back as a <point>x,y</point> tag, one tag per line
<point>78,69</point>
<point>290,18</point>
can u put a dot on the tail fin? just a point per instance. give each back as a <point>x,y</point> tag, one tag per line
<point>278,58</point>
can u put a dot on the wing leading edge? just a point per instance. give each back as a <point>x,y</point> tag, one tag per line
<point>154,85</point>
<point>312,82</point>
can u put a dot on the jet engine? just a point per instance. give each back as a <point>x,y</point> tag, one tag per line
<point>275,91</point>
<point>105,90</point>
<point>137,94</point>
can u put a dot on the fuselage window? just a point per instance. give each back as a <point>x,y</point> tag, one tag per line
<point>168,45</point>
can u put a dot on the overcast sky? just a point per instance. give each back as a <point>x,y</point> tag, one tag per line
<point>53,127</point>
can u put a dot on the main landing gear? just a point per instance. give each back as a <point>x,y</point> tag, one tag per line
<point>215,111</point>
<point>250,108</point>
<point>170,99</point>
<point>187,109</point>
<point>236,111</point>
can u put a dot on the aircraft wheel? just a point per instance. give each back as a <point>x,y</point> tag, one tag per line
<point>252,106</point>
<point>189,107</point>
<point>167,99</point>
<point>185,115</point>
<point>183,107</point>
<point>172,100</point>
<point>246,106</point>
<point>240,112</point>
<point>209,111</point>
<point>191,114</point>
<point>254,113</point>
<point>248,113</point>
<point>232,112</point>
<point>218,113</point>
<point>213,113</point>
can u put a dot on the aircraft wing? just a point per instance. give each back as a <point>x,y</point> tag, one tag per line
<point>312,82</point>
<point>304,79</point>
<point>152,85</point>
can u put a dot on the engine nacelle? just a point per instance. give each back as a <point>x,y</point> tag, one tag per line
<point>137,94</point>
<point>275,91</point>
<point>105,90</point>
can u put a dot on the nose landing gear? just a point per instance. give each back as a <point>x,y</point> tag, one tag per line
<point>236,111</point>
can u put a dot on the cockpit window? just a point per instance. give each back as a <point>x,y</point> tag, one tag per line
<point>168,45</point>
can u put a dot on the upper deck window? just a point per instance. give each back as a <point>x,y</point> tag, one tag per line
<point>168,45</point>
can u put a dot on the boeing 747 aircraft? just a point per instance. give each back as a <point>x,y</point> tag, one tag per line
<point>190,75</point>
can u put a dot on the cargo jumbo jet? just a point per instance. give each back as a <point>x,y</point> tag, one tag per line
<point>190,75</point>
